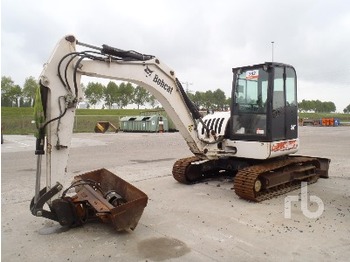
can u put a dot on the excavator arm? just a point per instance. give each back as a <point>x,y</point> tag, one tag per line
<point>60,91</point>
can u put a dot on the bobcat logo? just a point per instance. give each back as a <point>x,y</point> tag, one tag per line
<point>148,71</point>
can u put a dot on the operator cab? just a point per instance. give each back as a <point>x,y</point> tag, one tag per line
<point>264,103</point>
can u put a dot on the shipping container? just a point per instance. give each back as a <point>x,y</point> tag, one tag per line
<point>152,123</point>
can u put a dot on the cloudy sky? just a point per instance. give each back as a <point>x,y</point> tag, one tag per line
<point>201,40</point>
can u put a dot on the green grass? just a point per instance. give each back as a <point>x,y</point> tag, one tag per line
<point>316,116</point>
<point>16,120</point>
<point>108,112</point>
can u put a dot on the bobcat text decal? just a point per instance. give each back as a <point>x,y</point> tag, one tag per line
<point>159,81</point>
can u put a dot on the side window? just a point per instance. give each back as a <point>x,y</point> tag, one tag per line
<point>264,88</point>
<point>291,87</point>
<point>278,92</point>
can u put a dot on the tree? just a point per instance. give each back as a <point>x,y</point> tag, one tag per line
<point>141,96</point>
<point>303,106</point>
<point>153,101</point>
<point>324,107</point>
<point>6,85</point>
<point>208,99</point>
<point>198,99</point>
<point>316,106</point>
<point>94,93</point>
<point>228,101</point>
<point>111,94</point>
<point>10,93</point>
<point>328,107</point>
<point>219,99</point>
<point>307,105</point>
<point>125,94</point>
<point>29,89</point>
<point>347,109</point>
<point>16,94</point>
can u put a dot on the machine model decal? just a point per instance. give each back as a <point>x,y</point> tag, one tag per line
<point>252,75</point>
<point>159,81</point>
<point>285,145</point>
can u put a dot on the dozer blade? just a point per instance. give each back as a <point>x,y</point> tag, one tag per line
<point>110,198</point>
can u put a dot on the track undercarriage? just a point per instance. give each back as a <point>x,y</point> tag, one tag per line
<point>255,180</point>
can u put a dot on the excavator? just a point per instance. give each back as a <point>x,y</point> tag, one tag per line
<point>255,141</point>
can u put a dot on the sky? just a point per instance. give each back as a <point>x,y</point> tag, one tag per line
<point>200,40</point>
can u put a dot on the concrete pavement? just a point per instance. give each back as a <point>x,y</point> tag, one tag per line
<point>201,222</point>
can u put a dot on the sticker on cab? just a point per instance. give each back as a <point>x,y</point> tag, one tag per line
<point>252,75</point>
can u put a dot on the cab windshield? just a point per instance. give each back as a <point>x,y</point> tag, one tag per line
<point>251,91</point>
<point>249,117</point>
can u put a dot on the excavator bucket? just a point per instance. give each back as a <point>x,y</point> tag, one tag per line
<point>110,198</point>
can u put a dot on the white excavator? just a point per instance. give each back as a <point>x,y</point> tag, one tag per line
<point>255,141</point>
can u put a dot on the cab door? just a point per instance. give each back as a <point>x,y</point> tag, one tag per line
<point>284,113</point>
<point>291,104</point>
<point>250,104</point>
<point>278,119</point>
